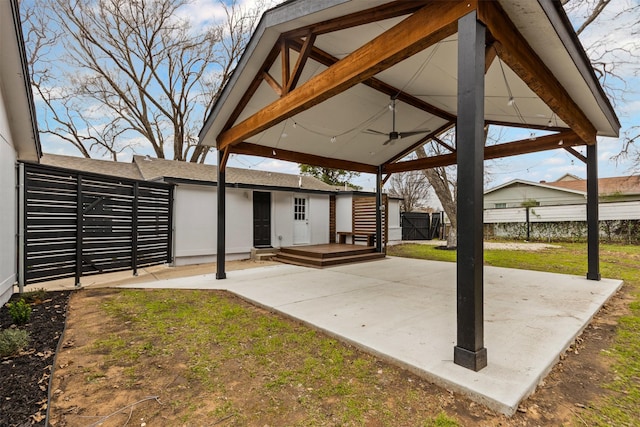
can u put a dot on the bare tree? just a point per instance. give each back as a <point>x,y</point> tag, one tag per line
<point>413,187</point>
<point>443,180</point>
<point>131,71</point>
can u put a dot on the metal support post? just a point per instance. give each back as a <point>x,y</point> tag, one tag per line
<point>593,228</point>
<point>470,352</point>
<point>379,208</point>
<point>220,270</point>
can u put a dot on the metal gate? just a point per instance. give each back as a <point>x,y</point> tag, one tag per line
<point>415,225</point>
<point>77,224</point>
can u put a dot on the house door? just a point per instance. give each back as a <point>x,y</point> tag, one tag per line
<point>261,219</point>
<point>300,220</point>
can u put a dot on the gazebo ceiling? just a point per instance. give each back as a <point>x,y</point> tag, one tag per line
<point>537,77</point>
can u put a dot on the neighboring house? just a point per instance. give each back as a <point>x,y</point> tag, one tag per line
<point>18,137</point>
<point>263,208</point>
<point>567,190</point>
<point>558,209</point>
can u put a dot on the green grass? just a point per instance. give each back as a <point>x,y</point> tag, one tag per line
<point>622,408</point>
<point>212,333</point>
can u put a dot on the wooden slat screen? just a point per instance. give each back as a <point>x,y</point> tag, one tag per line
<point>119,224</point>
<point>364,216</point>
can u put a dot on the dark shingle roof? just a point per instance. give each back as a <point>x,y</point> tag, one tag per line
<point>621,185</point>
<point>149,169</point>
<point>102,167</point>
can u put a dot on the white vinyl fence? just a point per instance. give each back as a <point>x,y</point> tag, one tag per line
<point>619,221</point>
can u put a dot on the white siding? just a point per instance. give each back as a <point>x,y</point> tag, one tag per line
<point>514,195</point>
<point>319,218</point>
<point>195,222</point>
<point>344,212</point>
<point>395,231</point>
<point>196,219</point>
<point>282,218</point>
<point>607,211</point>
<point>8,226</point>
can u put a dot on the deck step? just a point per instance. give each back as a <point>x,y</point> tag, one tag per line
<point>319,262</point>
<point>351,250</point>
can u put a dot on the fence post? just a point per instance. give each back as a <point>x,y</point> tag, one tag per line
<point>79,229</point>
<point>134,230</point>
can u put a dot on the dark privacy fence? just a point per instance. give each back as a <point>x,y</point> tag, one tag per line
<point>420,225</point>
<point>77,224</point>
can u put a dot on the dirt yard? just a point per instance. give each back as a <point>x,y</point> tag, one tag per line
<point>87,387</point>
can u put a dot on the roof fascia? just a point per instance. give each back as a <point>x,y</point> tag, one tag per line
<point>17,27</point>
<point>514,50</point>
<point>560,21</point>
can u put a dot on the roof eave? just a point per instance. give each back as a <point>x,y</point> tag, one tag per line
<point>27,141</point>
<point>564,29</point>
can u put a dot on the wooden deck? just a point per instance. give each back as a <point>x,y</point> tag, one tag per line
<point>327,255</point>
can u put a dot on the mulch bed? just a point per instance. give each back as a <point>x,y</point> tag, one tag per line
<point>24,379</point>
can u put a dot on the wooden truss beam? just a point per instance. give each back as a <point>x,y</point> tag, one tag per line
<point>514,50</point>
<point>305,51</point>
<point>307,159</point>
<point>427,26</point>
<point>544,143</point>
<point>328,60</point>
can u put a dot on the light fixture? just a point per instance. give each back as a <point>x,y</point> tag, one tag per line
<point>333,139</point>
<point>561,142</point>
<point>511,101</point>
<point>273,152</point>
<point>284,135</point>
<point>295,125</point>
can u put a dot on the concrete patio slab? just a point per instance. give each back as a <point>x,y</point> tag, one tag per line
<point>404,310</point>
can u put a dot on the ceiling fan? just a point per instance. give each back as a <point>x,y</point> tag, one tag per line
<point>394,135</point>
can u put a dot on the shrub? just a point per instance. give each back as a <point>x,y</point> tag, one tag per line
<point>19,311</point>
<point>12,341</point>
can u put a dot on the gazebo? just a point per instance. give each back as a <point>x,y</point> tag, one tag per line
<point>360,85</point>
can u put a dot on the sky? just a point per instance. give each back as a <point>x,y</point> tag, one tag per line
<point>547,166</point>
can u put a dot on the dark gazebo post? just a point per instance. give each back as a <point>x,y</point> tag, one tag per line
<point>469,351</point>
<point>593,229</point>
<point>222,163</point>
<point>379,210</point>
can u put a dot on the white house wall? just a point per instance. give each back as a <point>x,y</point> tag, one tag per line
<point>281,218</point>
<point>8,225</point>
<point>318,218</point>
<point>395,231</point>
<point>344,212</point>
<point>195,222</point>
<point>514,195</point>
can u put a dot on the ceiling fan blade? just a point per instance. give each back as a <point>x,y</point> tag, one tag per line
<point>415,132</point>
<point>391,140</point>
<point>375,132</point>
